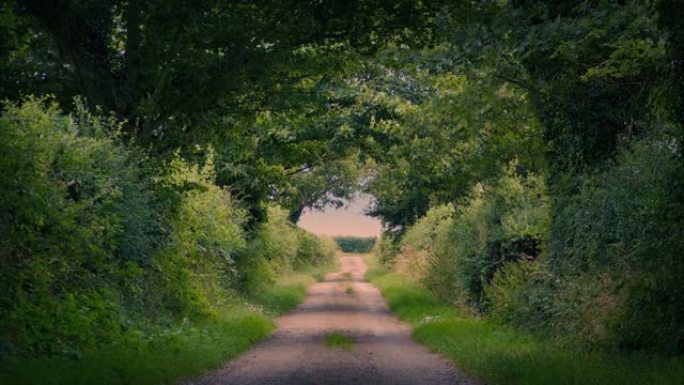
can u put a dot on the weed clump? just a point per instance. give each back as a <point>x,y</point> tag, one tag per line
<point>338,339</point>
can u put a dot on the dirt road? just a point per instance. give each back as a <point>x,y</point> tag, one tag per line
<point>382,353</point>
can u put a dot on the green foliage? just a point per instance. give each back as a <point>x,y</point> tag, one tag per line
<point>387,248</point>
<point>197,268</point>
<point>409,303</point>
<point>431,159</point>
<point>619,235</point>
<point>580,239</point>
<point>78,226</point>
<point>280,295</point>
<point>163,356</point>
<point>456,251</point>
<point>314,250</point>
<point>421,251</point>
<point>280,246</point>
<point>603,281</point>
<point>504,355</point>
<point>356,244</point>
<point>277,240</point>
<point>526,157</point>
<point>103,248</point>
<point>519,294</point>
<point>173,67</point>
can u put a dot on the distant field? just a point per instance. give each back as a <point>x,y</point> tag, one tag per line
<point>356,244</point>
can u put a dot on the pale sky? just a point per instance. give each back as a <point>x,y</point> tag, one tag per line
<point>348,220</point>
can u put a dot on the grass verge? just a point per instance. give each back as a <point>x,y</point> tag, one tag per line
<point>170,354</point>
<point>290,289</point>
<point>507,356</point>
<point>339,340</point>
<point>164,358</point>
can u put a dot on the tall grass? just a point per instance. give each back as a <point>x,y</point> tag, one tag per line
<point>507,356</point>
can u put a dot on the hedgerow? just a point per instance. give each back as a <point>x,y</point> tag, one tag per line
<point>100,245</point>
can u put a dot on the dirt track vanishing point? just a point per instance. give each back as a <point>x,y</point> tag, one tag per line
<point>382,351</point>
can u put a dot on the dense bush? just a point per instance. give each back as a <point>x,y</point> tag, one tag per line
<point>422,250</point>
<point>387,247</point>
<point>196,268</point>
<point>610,279</point>
<point>278,246</point>
<point>314,250</point>
<point>502,223</point>
<point>455,252</point>
<point>79,227</point>
<point>355,244</point>
<point>607,274</point>
<point>101,245</point>
<point>617,247</point>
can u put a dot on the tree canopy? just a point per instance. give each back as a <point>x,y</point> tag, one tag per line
<point>528,122</point>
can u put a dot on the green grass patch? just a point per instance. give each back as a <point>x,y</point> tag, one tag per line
<point>163,358</point>
<point>338,339</point>
<point>318,272</point>
<point>290,289</point>
<point>349,289</point>
<point>282,297</point>
<point>375,268</point>
<point>411,304</point>
<point>507,356</point>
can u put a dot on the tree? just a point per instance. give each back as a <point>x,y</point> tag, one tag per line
<point>211,72</point>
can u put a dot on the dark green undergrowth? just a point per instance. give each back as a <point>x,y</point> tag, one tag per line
<point>164,358</point>
<point>503,355</point>
<point>170,354</point>
<point>119,269</point>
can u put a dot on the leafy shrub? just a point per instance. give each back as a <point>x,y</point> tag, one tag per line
<point>607,275</point>
<point>79,226</point>
<point>455,252</point>
<point>197,266</point>
<point>314,250</point>
<point>616,248</point>
<point>98,245</point>
<point>276,240</point>
<point>507,221</point>
<point>355,244</point>
<point>387,248</point>
<point>279,246</point>
<point>520,294</point>
<point>420,249</point>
